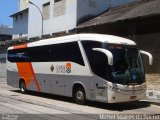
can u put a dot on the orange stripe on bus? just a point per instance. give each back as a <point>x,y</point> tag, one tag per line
<point>34,76</point>
<point>26,71</point>
<point>20,46</point>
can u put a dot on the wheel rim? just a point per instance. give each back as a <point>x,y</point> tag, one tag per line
<point>79,95</point>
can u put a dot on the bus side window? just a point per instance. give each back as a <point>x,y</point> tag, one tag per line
<point>18,55</point>
<point>67,52</point>
<point>64,52</point>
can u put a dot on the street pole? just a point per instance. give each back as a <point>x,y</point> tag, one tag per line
<point>40,14</point>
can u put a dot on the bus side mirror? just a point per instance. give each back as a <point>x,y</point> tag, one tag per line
<point>149,55</point>
<point>107,53</point>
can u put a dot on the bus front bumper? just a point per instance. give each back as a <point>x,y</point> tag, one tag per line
<point>126,96</point>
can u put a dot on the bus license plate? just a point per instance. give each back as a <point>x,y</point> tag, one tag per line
<point>133,97</point>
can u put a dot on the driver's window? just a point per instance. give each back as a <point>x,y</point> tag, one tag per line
<point>98,61</point>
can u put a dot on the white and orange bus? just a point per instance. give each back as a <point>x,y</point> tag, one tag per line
<point>93,67</point>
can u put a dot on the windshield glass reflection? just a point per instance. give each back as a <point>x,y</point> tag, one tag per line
<point>127,64</point>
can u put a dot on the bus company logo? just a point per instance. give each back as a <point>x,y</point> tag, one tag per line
<point>52,68</point>
<point>63,68</point>
<point>68,67</point>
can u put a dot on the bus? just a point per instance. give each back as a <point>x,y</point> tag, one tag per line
<point>94,67</point>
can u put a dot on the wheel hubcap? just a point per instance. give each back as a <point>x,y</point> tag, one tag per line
<point>79,95</point>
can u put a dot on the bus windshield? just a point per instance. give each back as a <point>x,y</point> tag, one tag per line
<point>127,64</point>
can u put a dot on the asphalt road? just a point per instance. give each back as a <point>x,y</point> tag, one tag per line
<point>38,106</point>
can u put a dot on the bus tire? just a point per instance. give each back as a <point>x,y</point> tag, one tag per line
<point>22,86</point>
<point>80,96</point>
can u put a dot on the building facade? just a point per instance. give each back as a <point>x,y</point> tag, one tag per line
<point>23,5</point>
<point>20,24</point>
<point>59,16</point>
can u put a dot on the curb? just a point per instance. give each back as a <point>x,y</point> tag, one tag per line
<point>153,96</point>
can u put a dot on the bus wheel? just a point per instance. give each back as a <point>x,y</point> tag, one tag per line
<point>79,96</point>
<point>22,87</point>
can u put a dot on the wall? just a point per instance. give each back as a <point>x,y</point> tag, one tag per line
<point>2,72</point>
<point>20,26</point>
<point>152,46</point>
<point>114,3</point>
<point>3,64</point>
<point>23,5</point>
<point>85,11</point>
<point>54,23</point>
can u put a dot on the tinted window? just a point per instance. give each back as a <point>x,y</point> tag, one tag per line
<point>57,52</point>
<point>98,61</point>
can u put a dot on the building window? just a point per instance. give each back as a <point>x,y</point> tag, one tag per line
<point>46,11</point>
<point>92,3</point>
<point>57,1</point>
<point>15,18</point>
<point>59,8</point>
<point>21,15</point>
